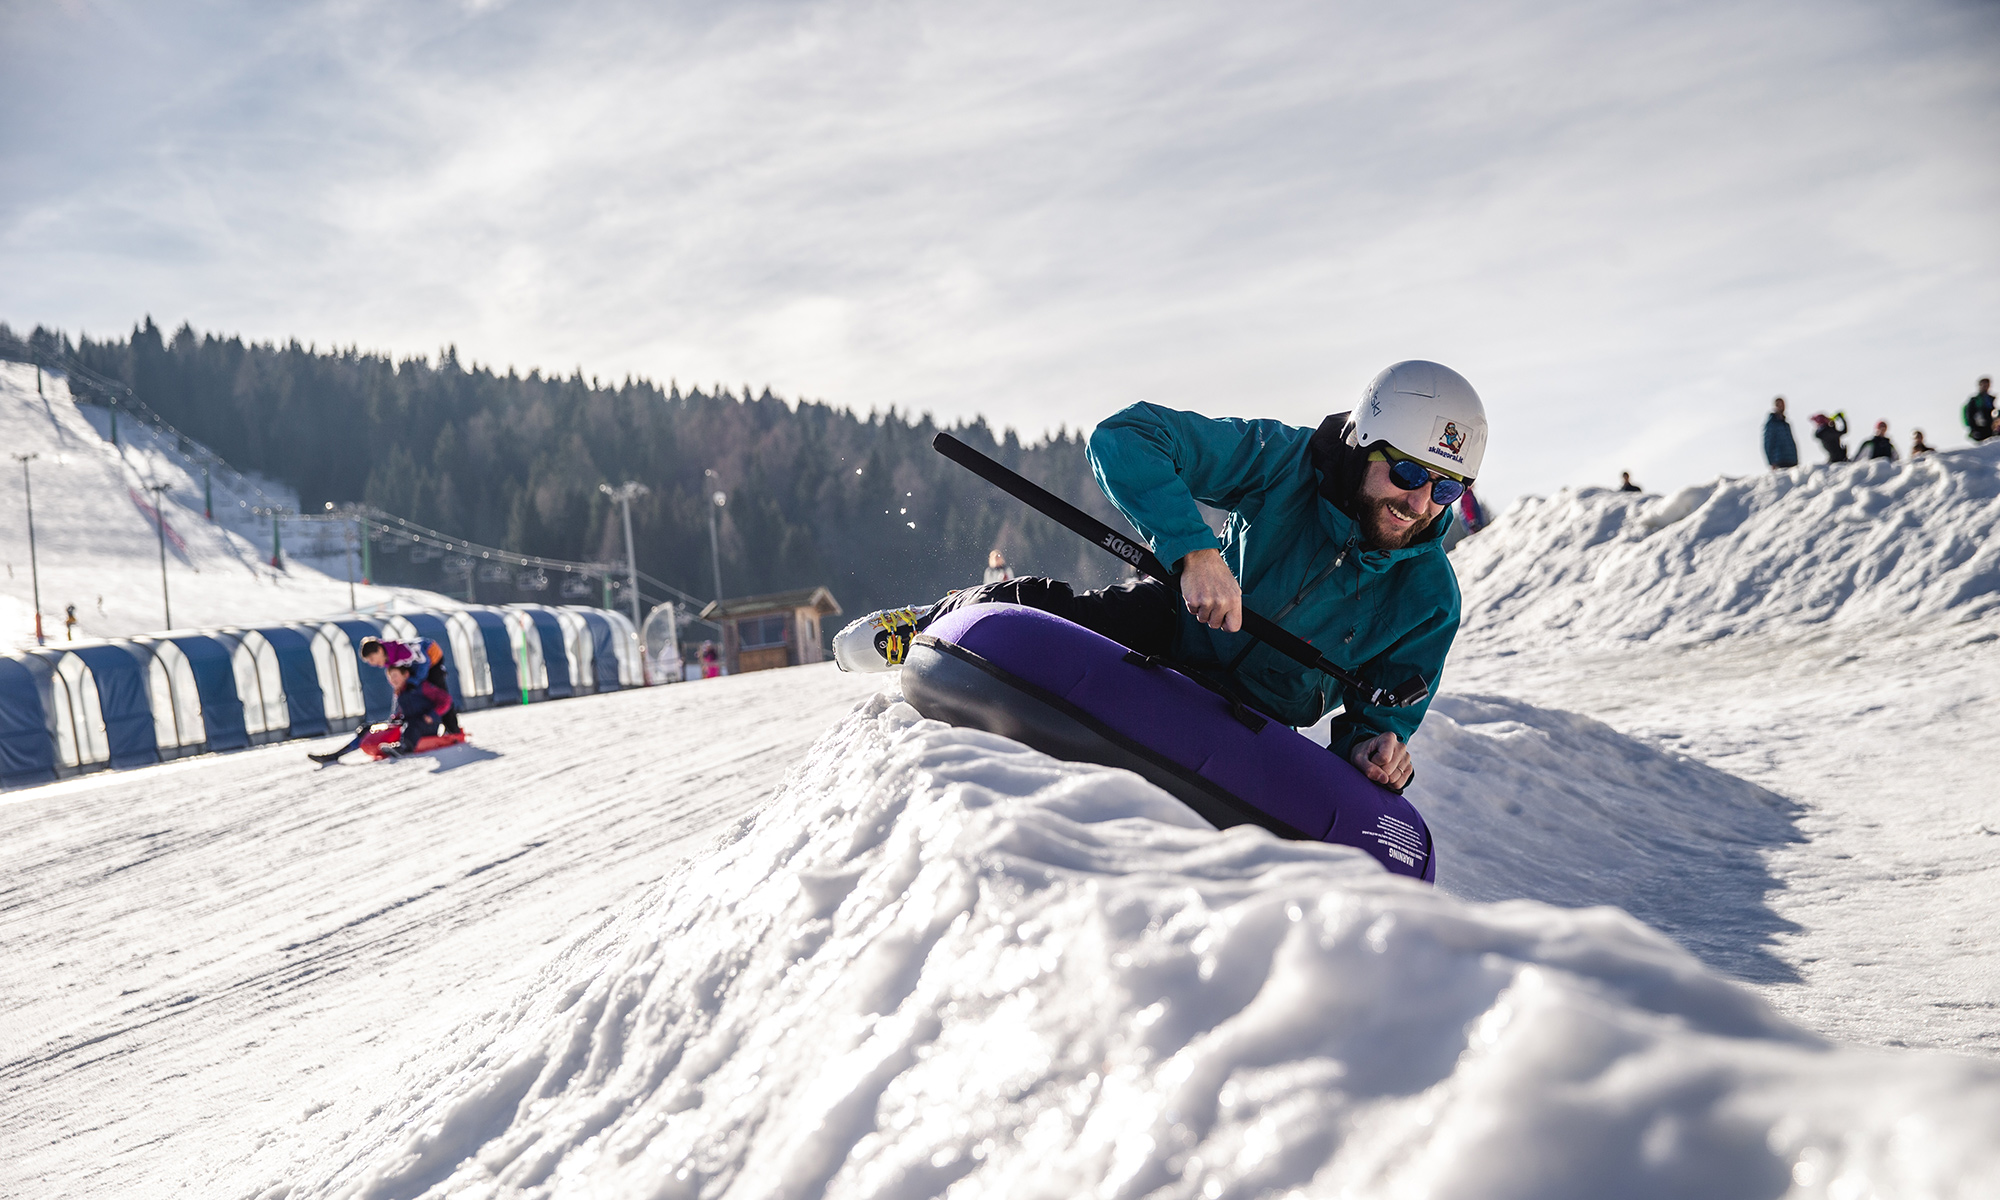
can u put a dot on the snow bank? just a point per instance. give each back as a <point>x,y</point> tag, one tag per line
<point>1902,544</point>
<point>940,960</point>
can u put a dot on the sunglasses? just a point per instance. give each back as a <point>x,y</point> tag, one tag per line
<point>1411,475</point>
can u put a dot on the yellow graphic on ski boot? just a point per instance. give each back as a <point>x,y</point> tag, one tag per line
<point>879,641</point>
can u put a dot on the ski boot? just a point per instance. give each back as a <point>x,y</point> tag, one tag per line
<point>879,641</point>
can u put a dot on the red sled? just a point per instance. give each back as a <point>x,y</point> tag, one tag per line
<point>376,745</point>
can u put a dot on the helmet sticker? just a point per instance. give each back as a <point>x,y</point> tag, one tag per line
<point>1448,440</point>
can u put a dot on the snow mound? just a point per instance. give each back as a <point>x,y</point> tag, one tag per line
<point>938,960</point>
<point>1879,543</point>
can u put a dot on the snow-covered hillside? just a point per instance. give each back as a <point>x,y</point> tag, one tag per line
<point>1702,873</point>
<point>1864,547</point>
<point>98,546</point>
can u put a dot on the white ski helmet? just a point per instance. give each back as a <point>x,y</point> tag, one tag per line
<point>1427,412</point>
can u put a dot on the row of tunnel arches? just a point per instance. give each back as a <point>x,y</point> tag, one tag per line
<point>131,701</point>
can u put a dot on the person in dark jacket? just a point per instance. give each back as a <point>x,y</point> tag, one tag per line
<point>1779,448</point>
<point>421,706</point>
<point>1625,483</point>
<point>1829,431</point>
<point>1878,446</point>
<point>423,654</point>
<point>1919,446</point>
<point>1470,513</point>
<point>1979,412</point>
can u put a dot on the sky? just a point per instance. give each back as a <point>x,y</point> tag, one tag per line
<point>1628,224</point>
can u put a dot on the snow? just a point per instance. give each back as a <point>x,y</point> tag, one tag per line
<point>1830,634</point>
<point>98,547</point>
<point>1717,835</point>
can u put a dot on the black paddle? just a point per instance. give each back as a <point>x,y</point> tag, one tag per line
<point>1411,691</point>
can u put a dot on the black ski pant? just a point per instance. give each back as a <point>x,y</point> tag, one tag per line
<point>420,719</point>
<point>436,676</point>
<point>1139,614</point>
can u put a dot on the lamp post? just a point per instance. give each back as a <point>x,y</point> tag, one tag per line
<point>347,535</point>
<point>717,499</point>
<point>159,491</point>
<point>34,568</point>
<point>624,494</point>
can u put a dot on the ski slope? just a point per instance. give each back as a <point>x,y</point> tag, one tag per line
<point>1714,919</point>
<point>98,545</point>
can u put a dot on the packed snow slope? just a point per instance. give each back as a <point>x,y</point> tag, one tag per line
<point>97,542</point>
<point>930,961</point>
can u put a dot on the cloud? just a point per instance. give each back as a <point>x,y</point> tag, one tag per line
<point>1616,219</point>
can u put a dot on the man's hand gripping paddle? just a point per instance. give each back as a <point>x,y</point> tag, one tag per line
<point>1411,691</point>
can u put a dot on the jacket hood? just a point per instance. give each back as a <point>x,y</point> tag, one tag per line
<point>1339,465</point>
<point>1338,462</point>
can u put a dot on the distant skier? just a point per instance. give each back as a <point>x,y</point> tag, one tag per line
<point>711,662</point>
<point>69,623</point>
<point>1878,446</point>
<point>997,570</point>
<point>1829,431</point>
<point>1470,513</point>
<point>1625,483</point>
<point>1335,533</point>
<point>1979,411</point>
<point>1919,446</point>
<point>1779,448</point>
<point>377,652</point>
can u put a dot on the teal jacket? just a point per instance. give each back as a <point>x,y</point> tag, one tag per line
<point>1383,614</point>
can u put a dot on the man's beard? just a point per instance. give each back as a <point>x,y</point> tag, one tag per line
<point>1381,533</point>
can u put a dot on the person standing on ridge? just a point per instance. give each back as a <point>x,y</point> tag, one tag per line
<point>1979,411</point>
<point>1878,446</point>
<point>1335,533</point>
<point>1919,446</point>
<point>1625,483</point>
<point>1779,448</point>
<point>1829,431</point>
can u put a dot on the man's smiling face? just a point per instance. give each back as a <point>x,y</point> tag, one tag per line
<point>1392,518</point>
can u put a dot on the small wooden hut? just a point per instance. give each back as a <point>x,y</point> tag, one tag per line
<point>778,630</point>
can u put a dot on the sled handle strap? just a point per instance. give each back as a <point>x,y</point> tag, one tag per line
<point>1077,521</point>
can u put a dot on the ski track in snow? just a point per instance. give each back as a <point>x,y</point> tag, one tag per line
<point>200,953</point>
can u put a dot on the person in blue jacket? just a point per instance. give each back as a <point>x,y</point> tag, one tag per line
<point>1334,533</point>
<point>1779,448</point>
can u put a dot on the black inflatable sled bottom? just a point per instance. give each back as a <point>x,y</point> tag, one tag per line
<point>951,684</point>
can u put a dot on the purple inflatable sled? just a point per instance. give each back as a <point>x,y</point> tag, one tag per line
<point>1058,687</point>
